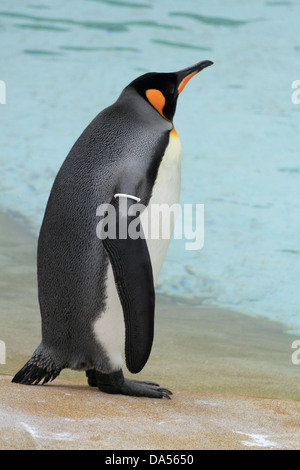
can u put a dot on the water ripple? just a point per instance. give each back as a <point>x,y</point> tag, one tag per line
<point>180,44</point>
<point>96,49</point>
<point>107,26</point>
<point>116,3</point>
<point>213,20</point>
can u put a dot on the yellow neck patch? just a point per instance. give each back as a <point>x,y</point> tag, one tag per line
<point>157,99</point>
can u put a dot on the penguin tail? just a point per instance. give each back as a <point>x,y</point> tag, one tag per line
<point>39,367</point>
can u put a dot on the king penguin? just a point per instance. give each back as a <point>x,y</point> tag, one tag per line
<point>96,294</point>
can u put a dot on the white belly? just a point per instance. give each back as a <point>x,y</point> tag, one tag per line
<point>165,191</point>
<point>109,328</point>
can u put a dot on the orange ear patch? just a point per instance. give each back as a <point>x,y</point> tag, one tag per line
<point>185,80</point>
<point>157,99</point>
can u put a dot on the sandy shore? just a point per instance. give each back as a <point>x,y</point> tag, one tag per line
<point>234,383</point>
<point>69,415</point>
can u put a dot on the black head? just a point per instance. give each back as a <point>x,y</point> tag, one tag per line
<point>161,90</point>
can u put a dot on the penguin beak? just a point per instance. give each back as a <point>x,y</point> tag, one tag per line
<point>186,74</point>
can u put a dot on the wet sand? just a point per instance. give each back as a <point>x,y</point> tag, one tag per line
<point>232,376</point>
<point>69,415</point>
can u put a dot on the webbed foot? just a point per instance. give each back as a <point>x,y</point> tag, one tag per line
<point>115,383</point>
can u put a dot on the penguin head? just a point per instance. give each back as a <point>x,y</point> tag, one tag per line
<point>161,90</point>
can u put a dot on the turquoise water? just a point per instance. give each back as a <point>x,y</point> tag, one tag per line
<point>62,62</point>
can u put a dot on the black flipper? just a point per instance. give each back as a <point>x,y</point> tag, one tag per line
<point>133,275</point>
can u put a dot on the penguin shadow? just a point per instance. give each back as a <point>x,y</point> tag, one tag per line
<point>75,391</point>
<point>65,387</point>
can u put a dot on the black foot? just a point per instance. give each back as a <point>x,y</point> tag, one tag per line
<point>91,377</point>
<point>116,383</point>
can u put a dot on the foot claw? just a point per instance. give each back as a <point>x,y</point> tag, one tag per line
<point>165,393</point>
